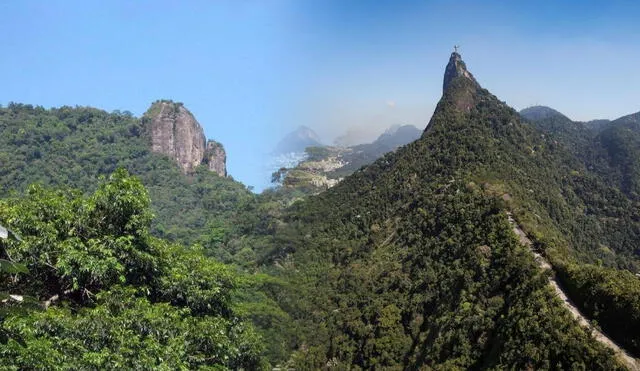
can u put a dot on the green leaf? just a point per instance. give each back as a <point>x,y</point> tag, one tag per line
<point>7,266</point>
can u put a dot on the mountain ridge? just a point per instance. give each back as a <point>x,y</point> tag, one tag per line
<point>401,247</point>
<point>410,262</point>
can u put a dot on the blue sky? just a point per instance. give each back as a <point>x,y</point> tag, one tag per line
<point>252,70</point>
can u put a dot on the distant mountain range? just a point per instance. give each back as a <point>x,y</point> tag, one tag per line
<point>297,141</point>
<point>322,167</point>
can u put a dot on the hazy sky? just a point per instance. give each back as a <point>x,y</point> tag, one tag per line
<point>252,70</point>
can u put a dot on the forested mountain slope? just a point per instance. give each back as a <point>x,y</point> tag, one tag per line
<point>538,113</point>
<point>620,143</point>
<point>575,136</point>
<point>411,262</point>
<point>75,146</point>
<point>609,149</point>
<point>408,263</point>
<point>67,152</point>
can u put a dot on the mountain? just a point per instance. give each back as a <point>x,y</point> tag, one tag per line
<point>597,125</point>
<point>325,166</point>
<point>356,135</point>
<point>398,135</point>
<point>297,141</point>
<point>491,241</point>
<point>576,136</point>
<point>412,262</point>
<point>364,154</point>
<point>536,113</point>
<point>176,133</point>
<point>215,158</point>
<point>631,121</point>
<point>165,148</point>
<point>619,148</point>
<point>455,70</point>
<point>543,113</point>
<point>607,148</point>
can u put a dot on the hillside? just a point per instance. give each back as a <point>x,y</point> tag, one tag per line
<point>411,261</point>
<point>73,147</point>
<point>121,266</point>
<point>619,144</point>
<point>447,248</point>
<point>608,149</point>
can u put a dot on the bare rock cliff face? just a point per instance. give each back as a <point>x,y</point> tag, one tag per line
<point>175,132</point>
<point>455,68</point>
<point>459,83</point>
<point>216,158</point>
<point>459,89</point>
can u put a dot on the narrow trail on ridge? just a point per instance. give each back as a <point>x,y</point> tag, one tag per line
<point>631,362</point>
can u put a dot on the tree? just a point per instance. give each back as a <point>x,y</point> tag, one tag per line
<point>115,295</point>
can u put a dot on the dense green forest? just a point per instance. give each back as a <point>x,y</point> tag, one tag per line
<point>609,153</point>
<point>73,147</point>
<point>122,261</point>
<point>66,153</point>
<point>412,261</point>
<point>112,295</point>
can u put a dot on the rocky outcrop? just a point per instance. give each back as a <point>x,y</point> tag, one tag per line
<point>216,158</point>
<point>175,132</point>
<point>455,68</point>
<point>459,86</point>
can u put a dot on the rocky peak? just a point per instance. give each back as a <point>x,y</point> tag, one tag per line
<point>459,86</point>
<point>216,158</point>
<point>174,131</point>
<point>460,91</point>
<point>455,68</point>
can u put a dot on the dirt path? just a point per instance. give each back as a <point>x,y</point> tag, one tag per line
<point>632,363</point>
